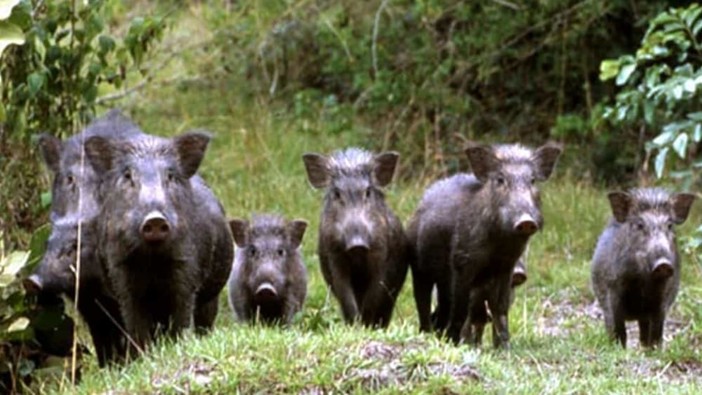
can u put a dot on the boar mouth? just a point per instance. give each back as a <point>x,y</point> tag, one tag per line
<point>266,293</point>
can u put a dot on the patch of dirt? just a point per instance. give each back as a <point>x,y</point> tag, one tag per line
<point>196,374</point>
<point>393,371</point>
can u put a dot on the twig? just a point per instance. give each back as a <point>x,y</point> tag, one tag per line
<point>508,4</point>
<point>374,44</point>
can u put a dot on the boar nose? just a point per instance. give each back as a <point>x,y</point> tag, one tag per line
<point>155,227</point>
<point>526,225</point>
<point>519,277</point>
<point>32,284</point>
<point>266,291</point>
<point>662,268</point>
<point>357,243</point>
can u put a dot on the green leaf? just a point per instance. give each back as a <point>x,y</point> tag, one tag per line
<point>691,15</point>
<point>10,34</point>
<point>609,69</point>
<point>6,7</point>
<point>659,162</point>
<point>625,73</point>
<point>35,82</point>
<point>680,145</point>
<point>697,27</point>
<point>697,133</point>
<point>3,114</point>
<point>663,138</point>
<point>12,263</point>
<point>19,324</point>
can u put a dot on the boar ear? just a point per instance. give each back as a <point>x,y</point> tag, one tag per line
<point>384,167</point>
<point>482,160</point>
<point>317,169</point>
<point>239,228</point>
<point>51,148</point>
<point>191,149</point>
<point>681,203</point>
<point>545,159</point>
<point>100,152</point>
<point>296,230</point>
<point>621,203</point>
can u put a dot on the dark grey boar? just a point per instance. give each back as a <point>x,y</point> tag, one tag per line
<point>430,232</point>
<point>362,246</point>
<point>163,240</point>
<point>502,211</point>
<point>268,278</point>
<point>73,175</point>
<point>636,265</point>
<point>74,192</point>
<point>55,275</point>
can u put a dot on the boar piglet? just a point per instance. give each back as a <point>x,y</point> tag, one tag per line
<point>501,211</point>
<point>430,233</point>
<point>636,265</point>
<point>162,237</point>
<point>269,279</point>
<point>56,275</point>
<point>362,246</point>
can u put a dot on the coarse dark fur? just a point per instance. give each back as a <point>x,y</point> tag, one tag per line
<point>169,283</point>
<point>269,278</point>
<point>430,232</point>
<point>362,246</point>
<point>55,275</point>
<point>501,212</point>
<point>636,265</point>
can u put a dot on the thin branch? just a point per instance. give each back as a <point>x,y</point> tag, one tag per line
<point>508,4</point>
<point>374,44</point>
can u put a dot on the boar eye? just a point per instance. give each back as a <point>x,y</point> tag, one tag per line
<point>128,175</point>
<point>368,193</point>
<point>670,226</point>
<point>336,194</point>
<point>640,226</point>
<point>70,179</point>
<point>252,251</point>
<point>500,180</point>
<point>171,176</point>
<point>533,180</point>
<point>281,252</point>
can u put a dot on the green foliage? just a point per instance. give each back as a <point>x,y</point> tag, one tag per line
<point>422,71</point>
<point>660,88</point>
<point>52,81</point>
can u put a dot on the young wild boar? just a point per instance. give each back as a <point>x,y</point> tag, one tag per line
<point>362,247</point>
<point>163,240</point>
<point>269,279</point>
<point>636,265</point>
<point>74,181</point>
<point>501,212</point>
<point>430,232</point>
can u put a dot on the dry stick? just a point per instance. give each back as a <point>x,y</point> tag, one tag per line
<point>78,262</point>
<point>374,43</point>
<point>120,327</point>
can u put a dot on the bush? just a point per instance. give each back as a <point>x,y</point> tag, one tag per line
<point>423,71</point>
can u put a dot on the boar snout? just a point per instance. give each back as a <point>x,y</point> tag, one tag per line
<point>155,227</point>
<point>266,292</point>
<point>662,268</point>
<point>526,225</point>
<point>33,284</point>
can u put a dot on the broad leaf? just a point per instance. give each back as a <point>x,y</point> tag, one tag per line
<point>625,73</point>
<point>10,34</point>
<point>19,324</point>
<point>6,7</point>
<point>659,162</point>
<point>680,145</point>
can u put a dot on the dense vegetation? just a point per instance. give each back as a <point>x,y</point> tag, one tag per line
<point>617,81</point>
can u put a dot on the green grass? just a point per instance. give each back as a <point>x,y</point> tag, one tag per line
<point>559,344</point>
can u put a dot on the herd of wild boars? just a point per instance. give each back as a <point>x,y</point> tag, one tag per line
<point>143,246</point>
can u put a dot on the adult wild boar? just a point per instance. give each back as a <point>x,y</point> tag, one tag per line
<point>163,240</point>
<point>636,265</point>
<point>362,246</point>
